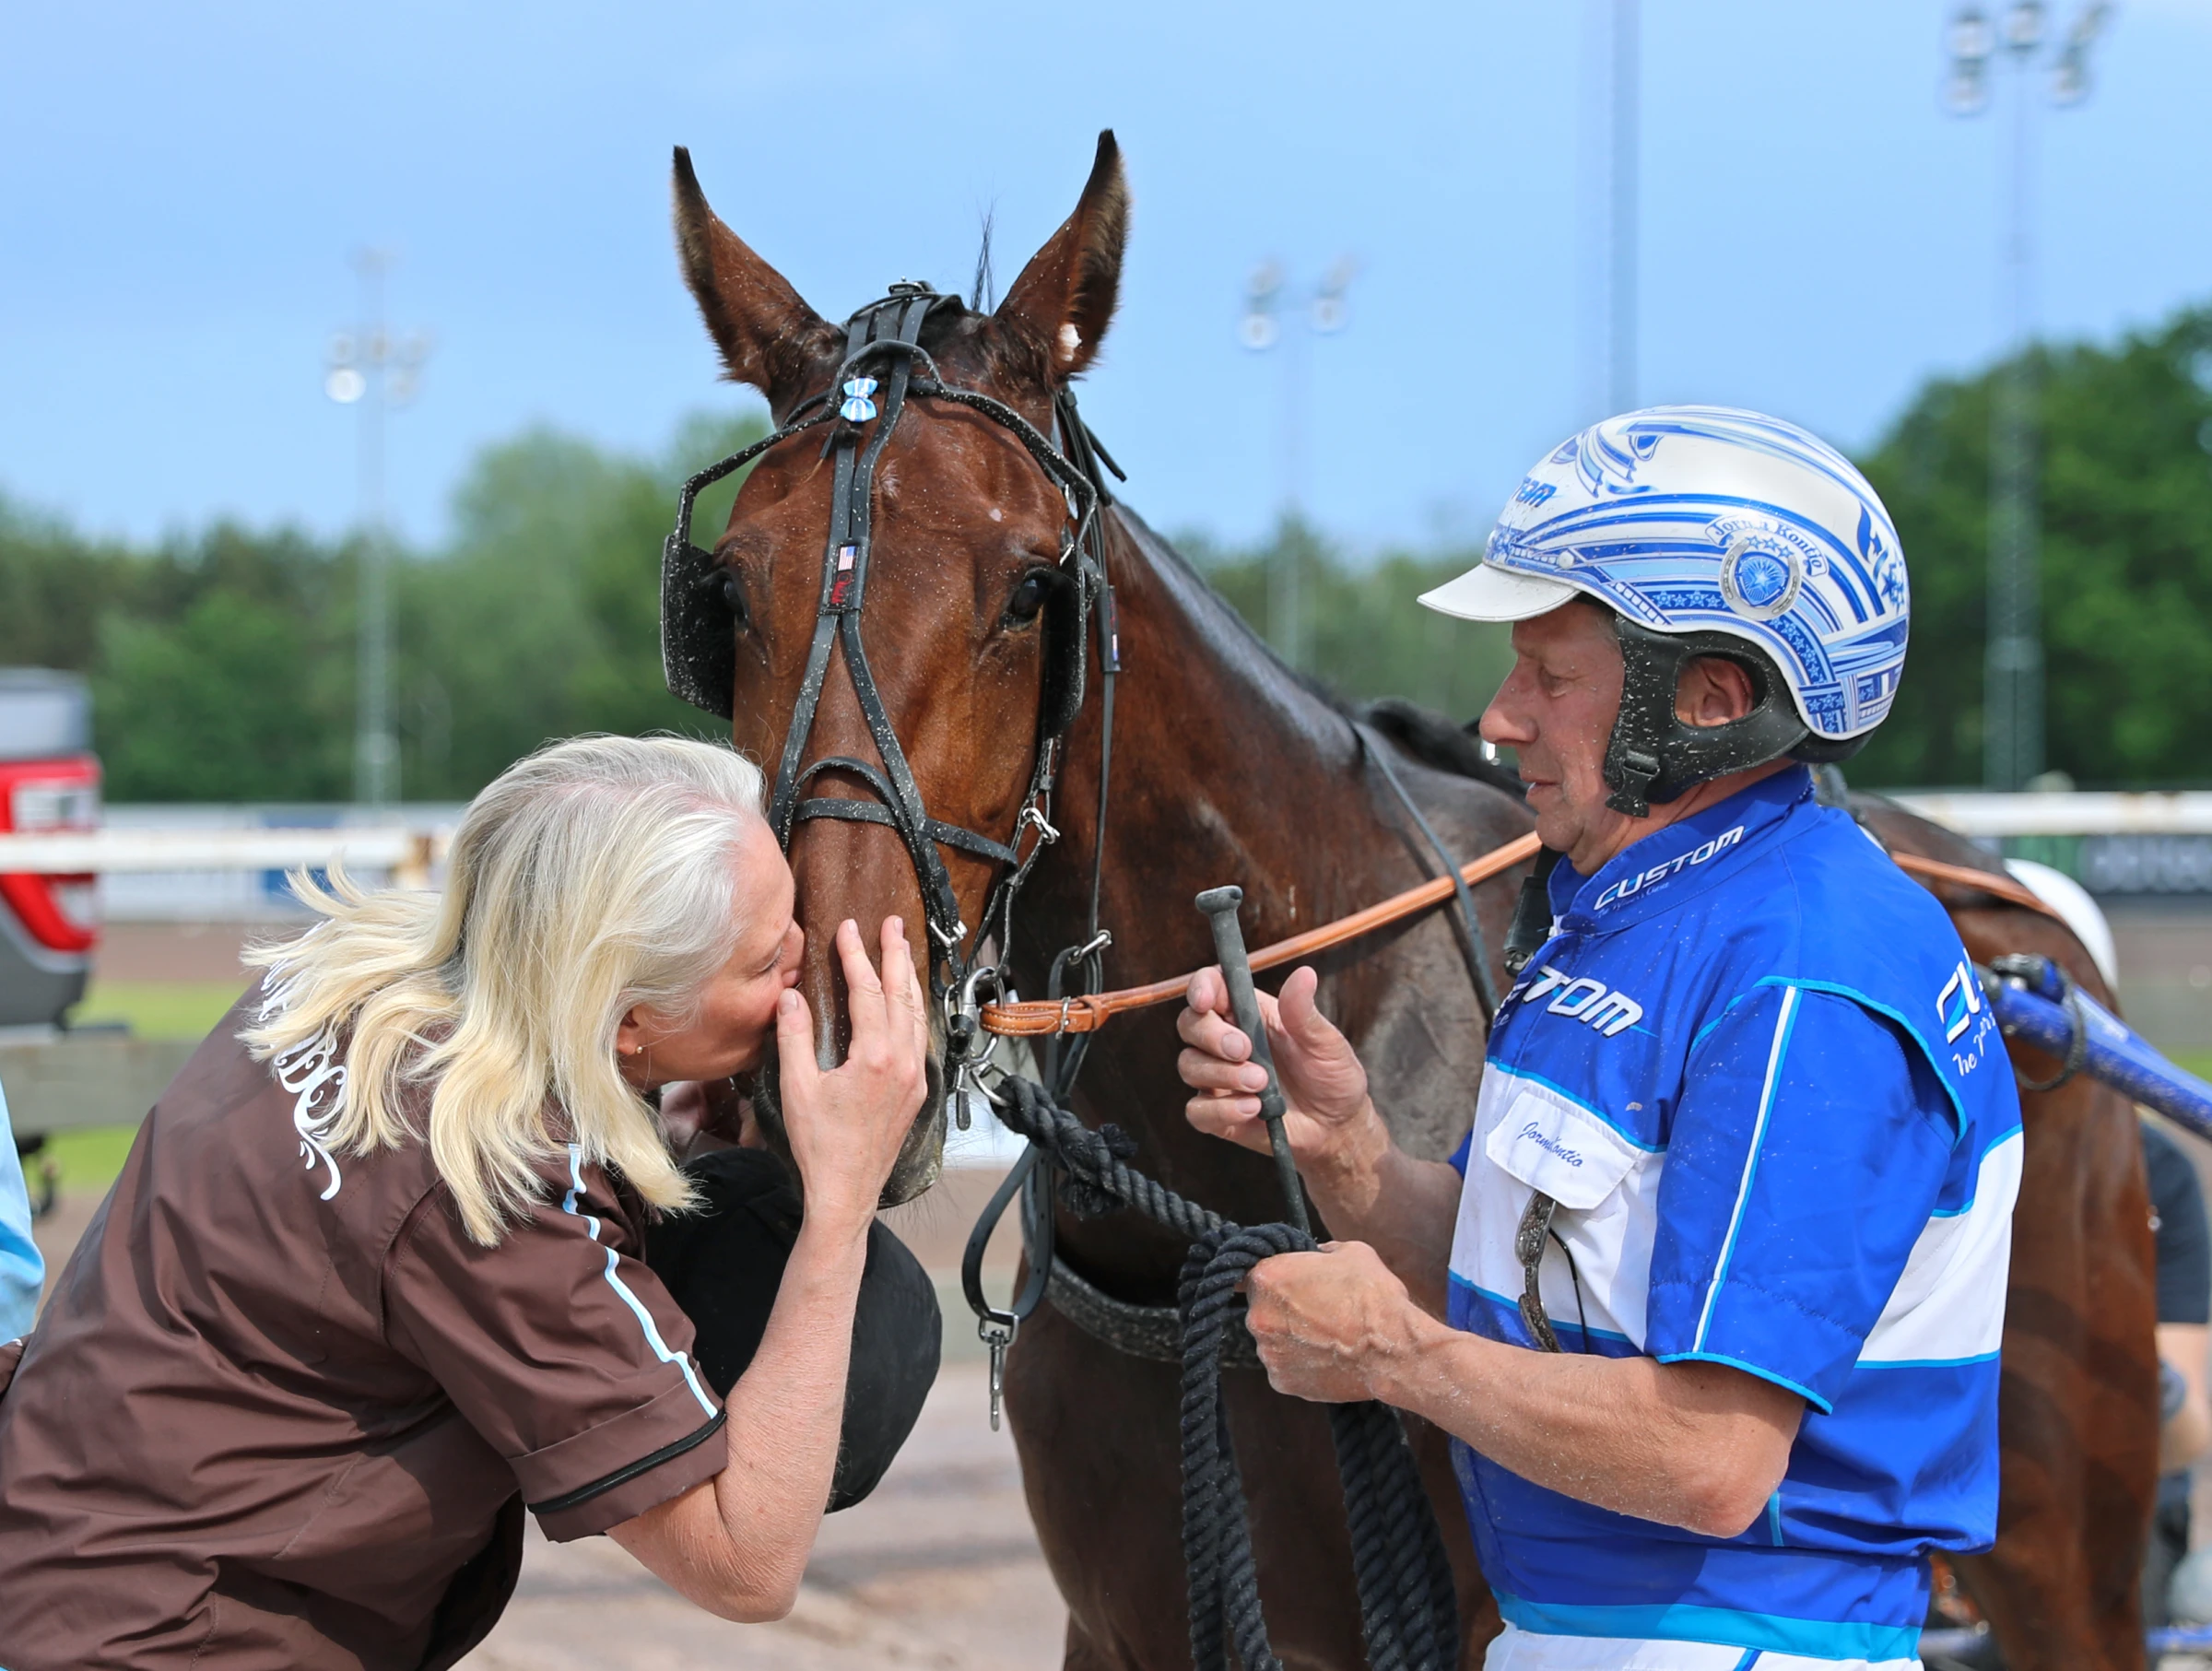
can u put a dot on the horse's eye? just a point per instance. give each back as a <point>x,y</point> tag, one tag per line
<point>733,597</point>
<point>1029,597</point>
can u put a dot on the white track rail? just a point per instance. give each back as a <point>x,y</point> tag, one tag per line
<point>2184,812</point>
<point>406,851</point>
<point>411,850</point>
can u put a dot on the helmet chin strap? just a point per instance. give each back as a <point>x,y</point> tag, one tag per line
<point>1654,756</point>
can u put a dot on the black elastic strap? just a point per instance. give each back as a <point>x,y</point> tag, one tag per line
<point>1532,912</point>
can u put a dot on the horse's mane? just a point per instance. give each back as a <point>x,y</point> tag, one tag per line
<point>1422,735</point>
<point>1430,738</point>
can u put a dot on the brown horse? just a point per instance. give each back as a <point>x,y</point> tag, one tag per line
<point>1226,767</point>
<point>2077,1406</point>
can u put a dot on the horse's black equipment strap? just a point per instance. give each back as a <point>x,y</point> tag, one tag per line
<point>1472,947</point>
<point>1030,1178</point>
<point>886,337</point>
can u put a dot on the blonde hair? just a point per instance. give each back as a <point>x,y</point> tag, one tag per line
<point>596,875</point>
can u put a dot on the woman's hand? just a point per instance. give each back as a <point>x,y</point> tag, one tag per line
<point>1323,1085</point>
<point>845,1127</point>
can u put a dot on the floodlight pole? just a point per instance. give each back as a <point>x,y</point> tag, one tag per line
<point>1620,382</point>
<point>375,748</point>
<point>1319,310</point>
<point>370,371</point>
<point>2013,672</point>
<point>2012,677</point>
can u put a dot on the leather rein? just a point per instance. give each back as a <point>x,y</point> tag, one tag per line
<point>1083,1015</point>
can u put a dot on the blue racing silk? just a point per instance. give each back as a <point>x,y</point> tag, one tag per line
<point>21,1268</point>
<point>1754,1068</point>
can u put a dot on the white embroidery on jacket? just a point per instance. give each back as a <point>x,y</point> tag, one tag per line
<point>317,1083</point>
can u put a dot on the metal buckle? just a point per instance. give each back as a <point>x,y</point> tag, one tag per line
<point>963,1027</point>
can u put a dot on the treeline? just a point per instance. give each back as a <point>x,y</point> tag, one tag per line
<point>222,665</point>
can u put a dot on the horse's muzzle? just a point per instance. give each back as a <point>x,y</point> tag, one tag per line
<point>921,1157</point>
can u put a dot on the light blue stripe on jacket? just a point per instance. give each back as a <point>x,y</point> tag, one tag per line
<point>22,1270</point>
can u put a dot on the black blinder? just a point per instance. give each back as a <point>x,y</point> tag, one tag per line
<point>1066,654</point>
<point>698,647</point>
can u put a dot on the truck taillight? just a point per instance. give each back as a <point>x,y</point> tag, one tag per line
<point>46,797</point>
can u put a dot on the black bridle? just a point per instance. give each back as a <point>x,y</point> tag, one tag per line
<point>699,655</point>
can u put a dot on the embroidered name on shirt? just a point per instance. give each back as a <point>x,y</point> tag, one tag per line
<point>1531,1134</point>
<point>1631,885</point>
<point>1584,1000</point>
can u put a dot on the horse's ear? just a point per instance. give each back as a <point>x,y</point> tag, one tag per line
<point>1064,300</point>
<point>768,336</point>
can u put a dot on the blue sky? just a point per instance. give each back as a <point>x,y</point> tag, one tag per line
<point>181,186</point>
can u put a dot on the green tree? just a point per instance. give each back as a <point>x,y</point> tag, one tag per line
<point>54,590</point>
<point>543,617</point>
<point>1368,635</point>
<point>224,673</point>
<point>2126,569</point>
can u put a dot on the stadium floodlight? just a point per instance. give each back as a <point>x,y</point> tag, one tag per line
<point>2013,665</point>
<point>1258,329</point>
<point>369,368</point>
<point>1272,306</point>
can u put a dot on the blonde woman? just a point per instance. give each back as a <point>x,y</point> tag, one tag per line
<point>369,1284</point>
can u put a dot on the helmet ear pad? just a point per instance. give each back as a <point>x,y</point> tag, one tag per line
<point>1654,756</point>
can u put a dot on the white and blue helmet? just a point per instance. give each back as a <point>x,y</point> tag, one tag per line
<point>1693,520</point>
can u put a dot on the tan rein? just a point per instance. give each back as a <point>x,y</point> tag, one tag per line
<point>1037,1018</point>
<point>1041,1018</point>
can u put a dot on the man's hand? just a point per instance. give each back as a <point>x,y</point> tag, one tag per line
<point>1323,1085</point>
<point>1326,1322</point>
<point>845,1127</point>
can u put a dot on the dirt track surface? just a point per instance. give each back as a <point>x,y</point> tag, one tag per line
<point>938,1568</point>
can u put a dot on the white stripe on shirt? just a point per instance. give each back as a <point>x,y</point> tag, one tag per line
<point>644,1317</point>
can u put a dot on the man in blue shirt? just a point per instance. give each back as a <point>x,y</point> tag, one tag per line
<point>21,1268</point>
<point>1711,1298</point>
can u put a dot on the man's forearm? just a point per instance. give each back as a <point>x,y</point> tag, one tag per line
<point>1686,1445</point>
<point>1371,1190</point>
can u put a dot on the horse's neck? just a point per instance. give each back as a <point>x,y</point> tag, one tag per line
<point>1225,769</point>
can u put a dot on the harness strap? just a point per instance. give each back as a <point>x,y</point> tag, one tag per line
<point>1471,947</point>
<point>942,833</point>
<point>1994,883</point>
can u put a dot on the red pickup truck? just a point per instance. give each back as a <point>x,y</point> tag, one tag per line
<point>49,783</point>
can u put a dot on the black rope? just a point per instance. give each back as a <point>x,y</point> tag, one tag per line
<point>1408,1607</point>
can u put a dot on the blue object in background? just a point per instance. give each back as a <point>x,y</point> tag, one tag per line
<point>2035,1002</point>
<point>22,1270</point>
